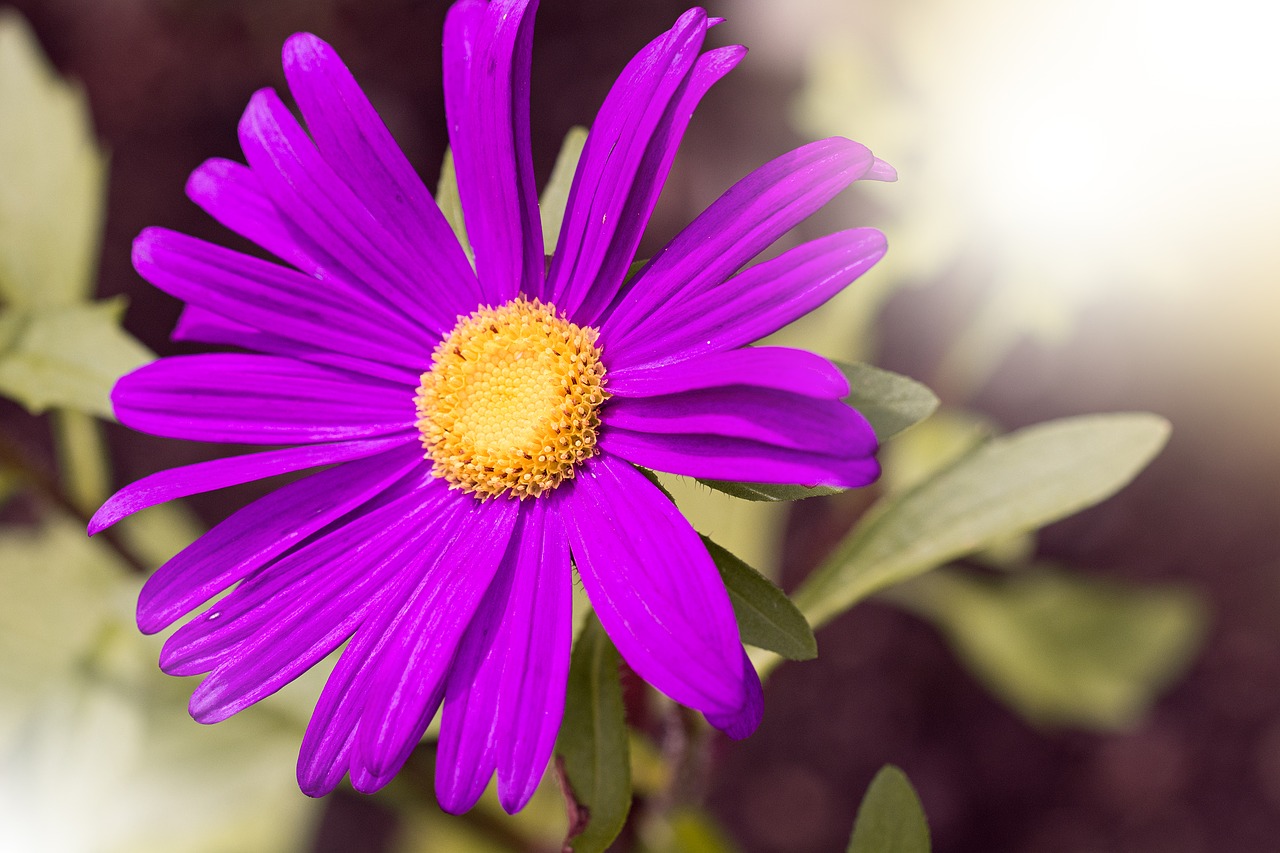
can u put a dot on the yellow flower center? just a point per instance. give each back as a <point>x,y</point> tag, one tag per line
<point>510,404</point>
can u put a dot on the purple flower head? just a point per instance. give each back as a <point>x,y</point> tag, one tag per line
<point>481,427</point>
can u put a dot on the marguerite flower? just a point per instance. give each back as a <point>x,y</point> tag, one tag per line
<point>481,427</point>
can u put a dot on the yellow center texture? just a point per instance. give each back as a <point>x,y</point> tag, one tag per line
<point>511,402</point>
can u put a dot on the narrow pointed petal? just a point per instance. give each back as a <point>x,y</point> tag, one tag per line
<point>717,457</point>
<point>354,140</point>
<point>232,194</point>
<point>333,225</point>
<point>219,473</point>
<point>616,184</point>
<point>780,368</point>
<point>753,303</point>
<point>487,56</point>
<point>263,530</point>
<point>278,300</point>
<point>653,585</point>
<point>257,399</point>
<point>411,669</point>
<point>739,225</point>
<point>293,614</point>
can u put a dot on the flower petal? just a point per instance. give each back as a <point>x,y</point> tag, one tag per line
<point>785,369</point>
<point>264,529</point>
<point>743,722</point>
<point>487,55</point>
<point>356,143</point>
<point>284,619</point>
<point>653,585</point>
<point>278,300</point>
<point>625,161</point>
<point>723,458</point>
<point>232,194</point>
<point>232,471</point>
<point>332,224</point>
<point>739,225</point>
<point>411,669</point>
<point>505,695</point>
<point>257,399</point>
<point>779,418</point>
<point>753,303</point>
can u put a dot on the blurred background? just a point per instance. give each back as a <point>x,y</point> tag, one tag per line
<point>1083,223</point>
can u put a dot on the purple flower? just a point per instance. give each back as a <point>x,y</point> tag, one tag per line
<point>437,395</point>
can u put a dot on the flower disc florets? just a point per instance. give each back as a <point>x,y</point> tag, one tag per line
<point>511,402</point>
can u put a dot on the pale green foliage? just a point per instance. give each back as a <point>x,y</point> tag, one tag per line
<point>1005,486</point>
<point>555,195</point>
<point>766,617</point>
<point>890,818</point>
<point>593,740</point>
<point>1064,648</point>
<point>450,202</point>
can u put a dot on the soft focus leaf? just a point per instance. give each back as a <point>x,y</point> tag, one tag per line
<point>1005,486</point>
<point>555,195</point>
<point>69,356</point>
<point>766,617</point>
<point>83,464</point>
<point>695,831</point>
<point>1062,648</point>
<point>770,491</point>
<point>450,202</point>
<point>51,178</point>
<point>593,740</point>
<point>890,401</point>
<point>890,819</point>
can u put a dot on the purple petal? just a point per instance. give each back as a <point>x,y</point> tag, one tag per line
<point>258,399</point>
<point>615,185</point>
<point>654,587</point>
<point>220,473</point>
<point>411,670</point>
<point>781,368</point>
<point>355,142</point>
<point>232,194</point>
<point>283,620</point>
<point>752,304</point>
<point>505,696</point>
<point>780,418</point>
<point>487,56</point>
<point>265,529</point>
<point>278,300</point>
<point>204,326</point>
<point>743,722</point>
<point>332,225</point>
<point>739,225</point>
<point>720,458</point>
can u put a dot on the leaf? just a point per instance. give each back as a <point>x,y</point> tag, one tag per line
<point>52,178</point>
<point>555,195</point>
<point>890,401</point>
<point>450,203</point>
<point>67,356</point>
<point>1063,648</point>
<point>890,819</point>
<point>766,617</point>
<point>593,741</point>
<point>1005,486</point>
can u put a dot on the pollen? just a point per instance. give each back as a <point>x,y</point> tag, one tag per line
<point>511,403</point>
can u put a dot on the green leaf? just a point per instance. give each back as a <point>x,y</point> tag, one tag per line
<point>67,356</point>
<point>450,203</point>
<point>1005,486</point>
<point>890,819</point>
<point>1062,648</point>
<point>593,741</point>
<point>766,617</point>
<point>52,178</point>
<point>769,491</point>
<point>890,401</point>
<point>555,195</point>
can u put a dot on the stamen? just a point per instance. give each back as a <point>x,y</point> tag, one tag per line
<point>510,404</point>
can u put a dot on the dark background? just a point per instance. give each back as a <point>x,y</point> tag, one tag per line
<point>167,80</point>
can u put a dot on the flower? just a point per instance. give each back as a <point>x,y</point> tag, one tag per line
<point>482,428</point>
